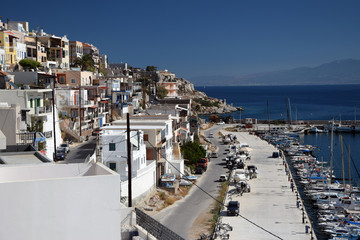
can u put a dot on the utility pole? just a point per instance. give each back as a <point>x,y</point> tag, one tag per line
<point>144,93</point>
<point>53,106</point>
<point>111,101</point>
<point>129,159</point>
<point>80,110</point>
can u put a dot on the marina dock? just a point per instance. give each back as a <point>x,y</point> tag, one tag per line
<point>272,209</point>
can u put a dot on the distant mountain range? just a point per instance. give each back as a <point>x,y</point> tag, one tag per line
<point>337,72</point>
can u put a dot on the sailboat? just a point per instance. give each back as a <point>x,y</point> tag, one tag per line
<point>353,128</point>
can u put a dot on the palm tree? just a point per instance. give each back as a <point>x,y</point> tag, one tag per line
<point>85,63</point>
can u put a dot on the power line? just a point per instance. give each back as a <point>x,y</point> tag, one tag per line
<point>183,175</point>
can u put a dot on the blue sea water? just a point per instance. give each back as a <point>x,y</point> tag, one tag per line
<point>307,103</point>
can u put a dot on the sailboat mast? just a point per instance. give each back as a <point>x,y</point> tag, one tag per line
<point>268,114</point>
<point>342,160</point>
<point>349,169</point>
<point>331,150</point>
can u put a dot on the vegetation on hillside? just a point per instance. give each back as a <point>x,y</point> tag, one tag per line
<point>161,92</point>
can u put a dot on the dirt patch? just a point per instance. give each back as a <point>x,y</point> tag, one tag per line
<point>202,224</point>
<point>160,199</point>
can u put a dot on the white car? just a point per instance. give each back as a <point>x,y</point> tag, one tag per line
<point>220,123</point>
<point>222,178</point>
<point>211,135</point>
<point>66,146</point>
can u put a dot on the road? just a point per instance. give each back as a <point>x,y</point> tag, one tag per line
<point>79,152</point>
<point>181,216</point>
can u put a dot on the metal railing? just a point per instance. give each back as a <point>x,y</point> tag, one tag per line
<point>44,109</point>
<point>155,228</point>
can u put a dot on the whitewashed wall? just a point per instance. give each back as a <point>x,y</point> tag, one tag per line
<point>142,184</point>
<point>61,209</point>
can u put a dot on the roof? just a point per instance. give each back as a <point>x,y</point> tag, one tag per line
<point>48,171</point>
<point>10,33</point>
<point>3,73</point>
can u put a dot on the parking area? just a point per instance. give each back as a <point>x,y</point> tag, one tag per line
<point>270,205</point>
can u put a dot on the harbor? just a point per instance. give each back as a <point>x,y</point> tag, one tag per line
<point>332,201</point>
<point>272,208</point>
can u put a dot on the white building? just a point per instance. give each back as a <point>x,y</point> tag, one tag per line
<point>158,137</point>
<point>35,105</point>
<point>2,58</point>
<point>60,202</point>
<point>114,155</point>
<point>21,51</point>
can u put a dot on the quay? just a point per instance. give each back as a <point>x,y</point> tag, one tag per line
<point>273,210</point>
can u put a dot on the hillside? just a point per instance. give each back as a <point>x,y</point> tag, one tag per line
<point>336,72</point>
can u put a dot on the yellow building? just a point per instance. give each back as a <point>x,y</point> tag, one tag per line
<point>8,43</point>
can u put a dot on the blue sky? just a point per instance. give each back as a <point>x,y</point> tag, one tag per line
<point>204,37</point>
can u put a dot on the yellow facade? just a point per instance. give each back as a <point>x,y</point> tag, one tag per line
<point>8,42</point>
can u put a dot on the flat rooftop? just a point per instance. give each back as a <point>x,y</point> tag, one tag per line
<point>27,158</point>
<point>46,171</point>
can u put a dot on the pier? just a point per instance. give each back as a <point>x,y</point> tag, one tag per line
<point>272,209</point>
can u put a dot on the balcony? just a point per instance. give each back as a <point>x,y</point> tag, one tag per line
<point>30,44</point>
<point>43,110</point>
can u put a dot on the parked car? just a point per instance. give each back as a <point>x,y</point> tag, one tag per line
<point>66,146</point>
<point>223,178</point>
<point>214,155</point>
<point>233,208</point>
<point>220,123</point>
<point>60,153</point>
<point>211,135</point>
<point>275,154</point>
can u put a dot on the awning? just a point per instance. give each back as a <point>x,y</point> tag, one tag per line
<point>105,101</point>
<point>182,128</point>
<point>104,87</point>
<point>13,85</point>
<point>93,107</point>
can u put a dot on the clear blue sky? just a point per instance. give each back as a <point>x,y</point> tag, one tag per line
<point>204,37</point>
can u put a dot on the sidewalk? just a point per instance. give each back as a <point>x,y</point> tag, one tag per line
<point>271,204</point>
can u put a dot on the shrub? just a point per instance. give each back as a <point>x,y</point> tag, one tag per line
<point>29,63</point>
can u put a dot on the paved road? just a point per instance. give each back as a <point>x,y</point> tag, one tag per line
<point>78,153</point>
<point>181,216</point>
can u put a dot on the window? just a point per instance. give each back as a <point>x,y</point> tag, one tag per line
<point>31,103</point>
<point>23,115</point>
<point>112,147</point>
<point>112,166</point>
<point>73,80</point>
<point>62,79</point>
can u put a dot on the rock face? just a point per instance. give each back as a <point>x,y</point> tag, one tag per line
<point>203,104</point>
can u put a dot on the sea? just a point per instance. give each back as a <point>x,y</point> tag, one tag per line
<point>338,102</point>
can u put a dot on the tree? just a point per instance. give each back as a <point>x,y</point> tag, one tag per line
<point>29,64</point>
<point>151,68</point>
<point>192,151</point>
<point>86,63</point>
<point>161,92</point>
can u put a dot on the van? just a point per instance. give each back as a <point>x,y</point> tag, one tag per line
<point>60,153</point>
<point>233,208</point>
<point>275,154</point>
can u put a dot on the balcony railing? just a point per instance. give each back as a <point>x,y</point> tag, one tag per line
<point>42,110</point>
<point>30,43</point>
